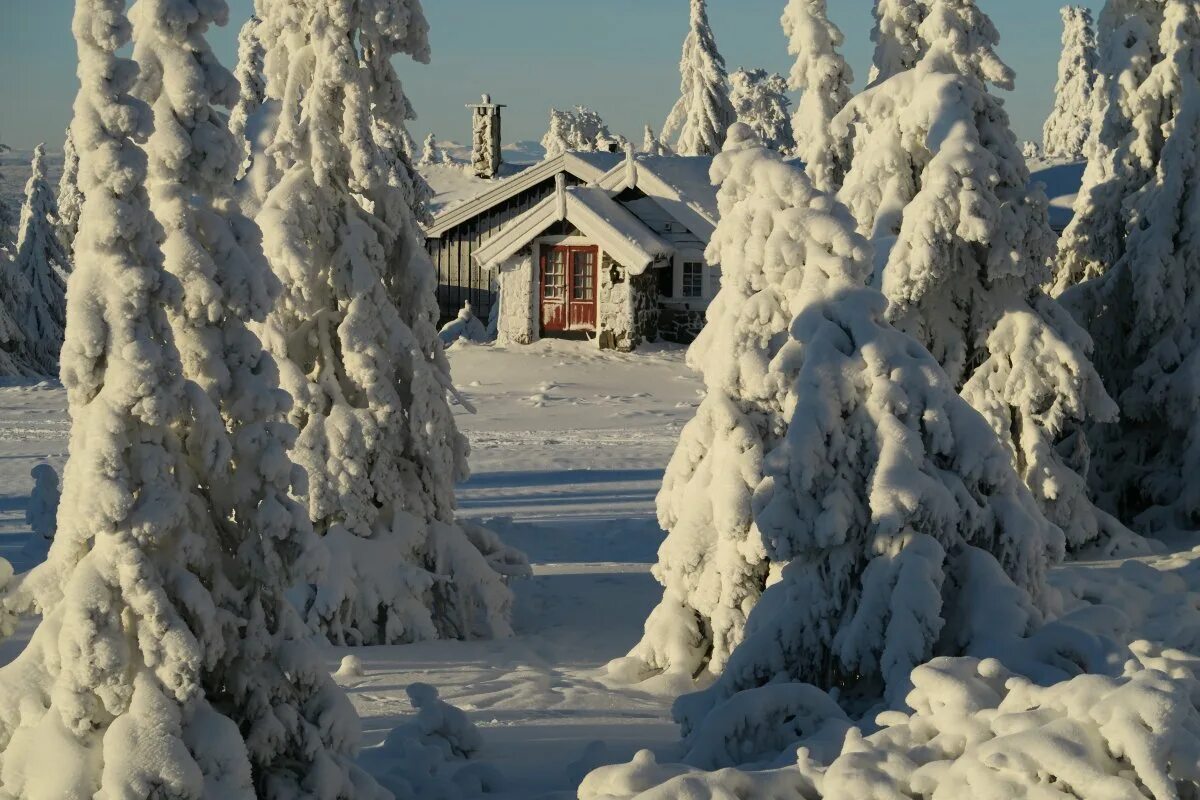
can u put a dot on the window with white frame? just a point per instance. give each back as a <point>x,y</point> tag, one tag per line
<point>692,279</point>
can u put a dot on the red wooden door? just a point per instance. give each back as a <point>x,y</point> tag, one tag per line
<point>568,293</point>
<point>554,289</point>
<point>581,302</point>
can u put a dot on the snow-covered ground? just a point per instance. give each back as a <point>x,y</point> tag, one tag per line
<point>568,448</point>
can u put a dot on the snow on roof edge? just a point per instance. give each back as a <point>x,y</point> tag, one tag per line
<point>596,214</point>
<point>589,167</point>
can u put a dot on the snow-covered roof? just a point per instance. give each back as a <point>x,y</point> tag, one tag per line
<point>680,184</point>
<point>594,212</point>
<point>587,167</point>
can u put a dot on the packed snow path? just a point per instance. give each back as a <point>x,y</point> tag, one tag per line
<point>568,449</point>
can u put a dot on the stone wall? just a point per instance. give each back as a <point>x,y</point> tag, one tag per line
<point>518,310</point>
<point>644,303</point>
<point>627,309</point>
<point>680,322</point>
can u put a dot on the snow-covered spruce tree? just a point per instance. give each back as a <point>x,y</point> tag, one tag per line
<point>389,122</point>
<point>882,491</point>
<point>896,37</point>
<point>824,79</point>
<point>70,199</point>
<point>558,137</point>
<point>1144,311</point>
<point>1069,126</point>
<point>162,666</point>
<point>936,180</point>
<point>9,216</point>
<point>652,145</point>
<point>703,111</point>
<point>13,291</point>
<point>1125,142</point>
<point>430,152</point>
<point>760,101</point>
<point>713,566</point>
<point>252,88</point>
<point>42,511</point>
<point>363,361</point>
<point>580,129</point>
<point>42,262</point>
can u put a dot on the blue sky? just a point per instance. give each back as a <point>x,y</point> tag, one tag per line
<point>618,56</point>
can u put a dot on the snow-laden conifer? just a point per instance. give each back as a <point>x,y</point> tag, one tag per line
<point>713,565</point>
<point>858,467</point>
<point>151,674</point>
<point>580,129</point>
<point>964,245</point>
<point>652,144</point>
<point>760,101</point>
<point>43,264</point>
<point>362,361</point>
<point>251,87</point>
<point>267,678</point>
<point>13,293</point>
<point>703,111</point>
<point>1144,311</point>
<point>1126,140</point>
<point>1069,126</point>
<point>823,77</point>
<point>42,511</point>
<point>10,215</point>
<point>896,37</point>
<point>430,152</point>
<point>70,199</point>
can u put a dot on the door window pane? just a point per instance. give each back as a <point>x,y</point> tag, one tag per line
<point>583,275</point>
<point>555,277</point>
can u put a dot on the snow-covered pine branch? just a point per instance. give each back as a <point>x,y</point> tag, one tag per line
<point>70,199</point>
<point>251,88</point>
<point>43,264</point>
<point>896,37</point>
<point>703,111</point>
<point>935,179</point>
<point>362,359</point>
<point>1068,129</point>
<point>1144,308</point>
<point>760,101</point>
<point>823,77</point>
<point>1126,140</point>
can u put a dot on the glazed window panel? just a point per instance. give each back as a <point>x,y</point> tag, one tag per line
<point>555,279</point>
<point>693,279</point>
<point>583,275</point>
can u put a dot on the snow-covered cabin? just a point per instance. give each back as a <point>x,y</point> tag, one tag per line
<point>601,245</point>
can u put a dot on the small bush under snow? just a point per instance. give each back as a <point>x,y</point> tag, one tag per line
<point>427,757</point>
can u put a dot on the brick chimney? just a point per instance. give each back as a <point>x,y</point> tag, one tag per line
<point>485,138</point>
